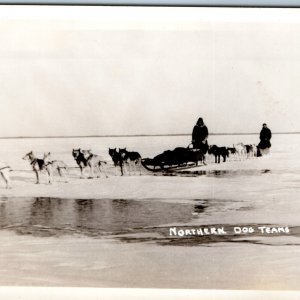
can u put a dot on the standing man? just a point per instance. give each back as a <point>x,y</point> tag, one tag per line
<point>199,136</point>
<point>265,137</point>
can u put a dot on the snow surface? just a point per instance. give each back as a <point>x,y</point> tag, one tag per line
<point>239,192</point>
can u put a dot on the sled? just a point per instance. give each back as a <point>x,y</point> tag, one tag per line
<point>177,159</point>
<point>263,148</point>
<point>263,151</point>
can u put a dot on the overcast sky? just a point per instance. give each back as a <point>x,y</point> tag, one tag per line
<point>101,71</point>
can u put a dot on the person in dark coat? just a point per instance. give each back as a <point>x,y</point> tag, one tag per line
<point>265,137</point>
<point>199,136</point>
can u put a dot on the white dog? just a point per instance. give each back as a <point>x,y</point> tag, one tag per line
<point>58,165</point>
<point>94,161</point>
<point>240,150</point>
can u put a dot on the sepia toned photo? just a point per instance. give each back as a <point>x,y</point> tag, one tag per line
<point>150,148</point>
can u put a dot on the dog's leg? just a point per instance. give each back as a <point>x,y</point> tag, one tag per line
<point>131,167</point>
<point>121,167</point>
<point>116,169</point>
<point>98,168</point>
<point>81,171</point>
<point>49,175</point>
<point>64,171</point>
<point>137,165</point>
<point>5,177</point>
<point>134,166</point>
<point>37,176</point>
<point>126,167</point>
<point>62,174</point>
<point>59,172</point>
<point>140,166</point>
<point>91,170</point>
<point>103,169</point>
<point>2,175</point>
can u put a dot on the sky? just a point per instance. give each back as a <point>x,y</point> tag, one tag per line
<point>73,71</point>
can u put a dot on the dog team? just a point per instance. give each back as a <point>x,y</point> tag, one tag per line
<point>127,161</point>
<point>238,152</point>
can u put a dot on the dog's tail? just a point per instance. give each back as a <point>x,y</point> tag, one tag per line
<point>59,164</point>
<point>64,166</point>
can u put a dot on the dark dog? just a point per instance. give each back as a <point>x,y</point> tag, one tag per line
<point>250,150</point>
<point>116,158</point>
<point>132,159</point>
<point>132,156</point>
<point>218,152</point>
<point>231,150</point>
<point>80,159</point>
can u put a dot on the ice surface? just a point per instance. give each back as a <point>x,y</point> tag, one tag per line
<point>247,192</point>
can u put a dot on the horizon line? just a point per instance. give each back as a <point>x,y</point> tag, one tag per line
<point>131,135</point>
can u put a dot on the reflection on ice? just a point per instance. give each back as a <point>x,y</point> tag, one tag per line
<point>91,217</point>
<point>129,220</point>
<point>217,173</point>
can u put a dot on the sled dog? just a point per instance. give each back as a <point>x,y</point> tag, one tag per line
<point>94,161</point>
<point>132,159</point>
<point>38,165</point>
<point>56,165</point>
<point>116,158</point>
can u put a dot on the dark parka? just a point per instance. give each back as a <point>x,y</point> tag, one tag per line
<point>265,136</point>
<point>200,134</point>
